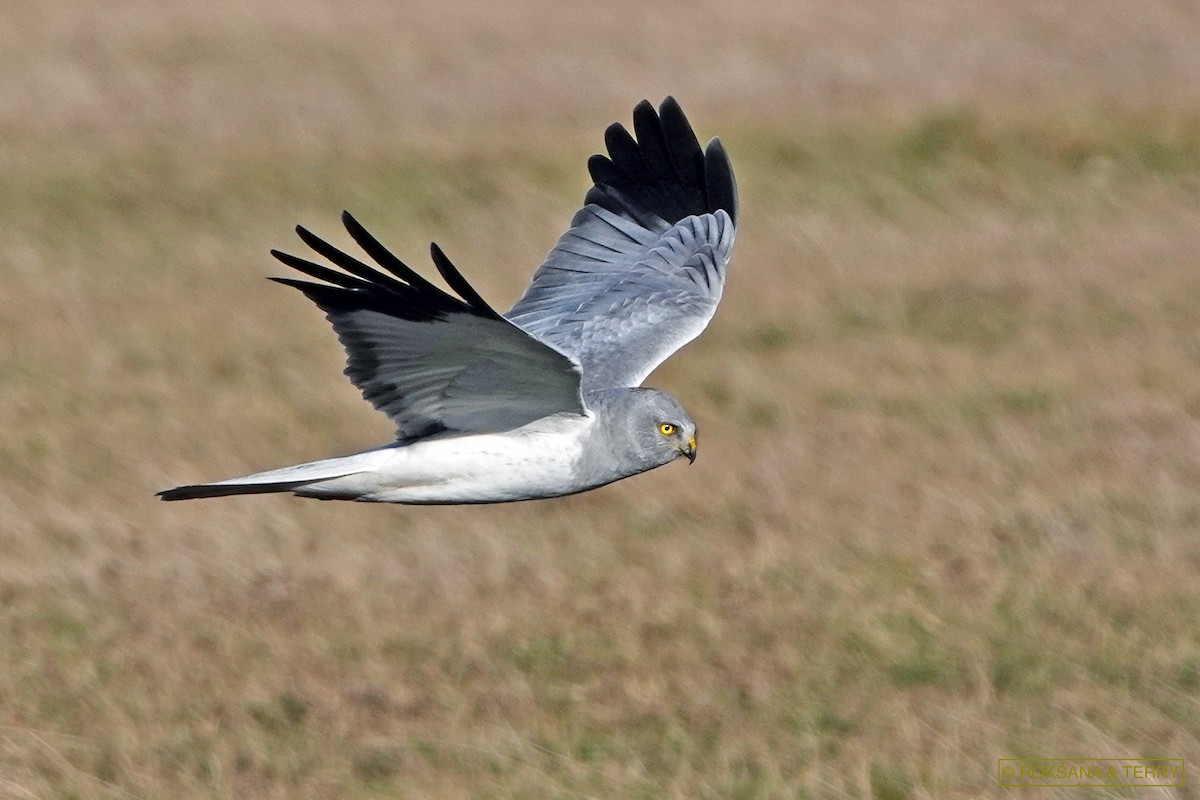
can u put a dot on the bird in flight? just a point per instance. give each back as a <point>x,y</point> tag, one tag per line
<point>544,400</point>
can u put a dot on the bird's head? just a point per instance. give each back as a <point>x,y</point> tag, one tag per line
<point>660,427</point>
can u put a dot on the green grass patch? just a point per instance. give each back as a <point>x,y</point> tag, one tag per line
<point>889,783</point>
<point>961,314</point>
<point>544,656</point>
<point>286,712</point>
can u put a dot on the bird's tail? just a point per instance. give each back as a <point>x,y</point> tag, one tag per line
<point>286,479</point>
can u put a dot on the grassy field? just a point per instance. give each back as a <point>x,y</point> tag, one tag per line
<point>947,502</point>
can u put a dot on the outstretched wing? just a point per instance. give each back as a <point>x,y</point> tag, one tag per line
<point>641,269</point>
<point>431,361</point>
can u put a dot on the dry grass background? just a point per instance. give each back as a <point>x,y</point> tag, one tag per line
<point>946,504</point>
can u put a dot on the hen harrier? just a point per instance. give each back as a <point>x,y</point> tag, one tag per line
<point>544,400</point>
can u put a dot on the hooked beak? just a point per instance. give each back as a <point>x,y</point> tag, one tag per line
<point>690,452</point>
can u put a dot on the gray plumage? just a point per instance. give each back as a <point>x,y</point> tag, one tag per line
<point>543,400</point>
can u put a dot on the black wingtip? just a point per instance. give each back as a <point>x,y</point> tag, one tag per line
<point>601,169</point>
<point>458,283</point>
<point>651,139</point>
<point>384,257</point>
<point>320,272</point>
<point>720,187</point>
<point>682,144</point>
<point>352,225</point>
<point>661,170</point>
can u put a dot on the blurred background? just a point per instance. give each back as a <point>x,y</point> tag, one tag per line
<point>945,509</point>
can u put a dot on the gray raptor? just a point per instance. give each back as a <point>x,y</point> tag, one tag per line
<point>544,400</point>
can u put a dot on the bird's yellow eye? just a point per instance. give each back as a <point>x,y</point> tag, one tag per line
<point>666,429</point>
